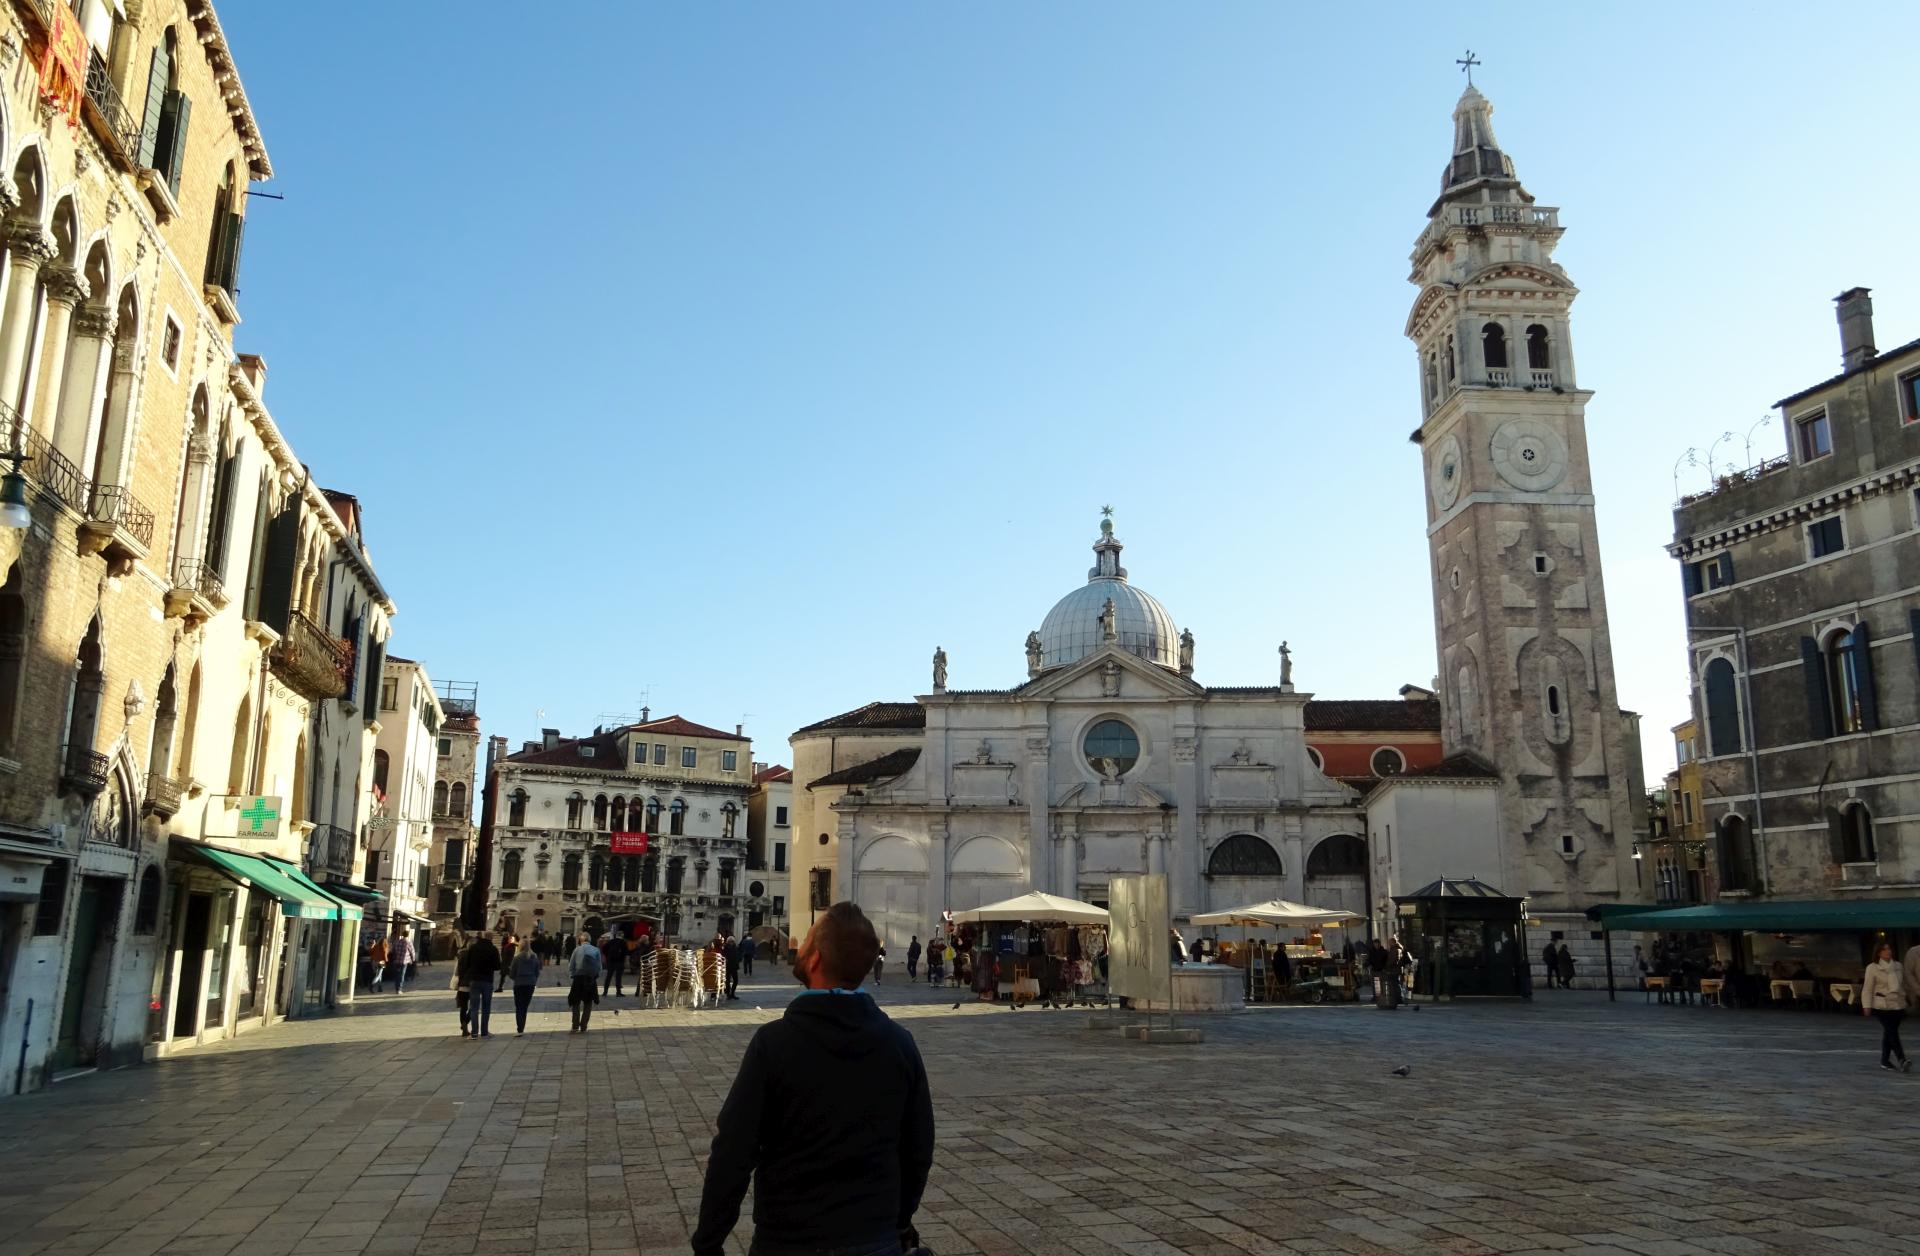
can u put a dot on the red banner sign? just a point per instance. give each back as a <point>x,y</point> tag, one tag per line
<point>63,70</point>
<point>629,843</point>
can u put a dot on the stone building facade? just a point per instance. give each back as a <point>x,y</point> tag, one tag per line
<point>401,831</point>
<point>1801,579</point>
<point>457,758</point>
<point>770,843</point>
<point>1520,612</point>
<point>567,822</point>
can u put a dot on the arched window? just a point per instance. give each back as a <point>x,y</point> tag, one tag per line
<point>298,810</point>
<point>576,810</point>
<point>728,815</point>
<point>653,815</point>
<point>1853,830</point>
<point>570,871</point>
<point>1433,379</point>
<point>676,874</point>
<point>439,798</point>
<point>1452,372</point>
<point>1342,855</point>
<point>457,800</point>
<point>191,727</point>
<point>1737,871</point>
<point>118,409</point>
<point>650,873</point>
<point>1243,855</point>
<point>597,870</point>
<point>600,812</point>
<point>617,814</point>
<point>146,908</point>
<point>517,808</point>
<point>1555,700</point>
<point>1388,762</point>
<point>1493,346</point>
<point>1723,709</point>
<point>510,870</point>
<point>1844,690</point>
<point>678,818</point>
<point>160,751</point>
<point>1539,354</point>
<point>1313,757</point>
<point>89,682</point>
<point>380,764</point>
<point>242,740</point>
<point>13,658</point>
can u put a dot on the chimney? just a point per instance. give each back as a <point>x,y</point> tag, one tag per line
<point>254,367</point>
<point>529,747</point>
<point>549,738</point>
<point>1854,309</point>
<point>736,729</point>
<point>646,715</point>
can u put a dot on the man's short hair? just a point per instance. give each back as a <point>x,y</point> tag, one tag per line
<point>846,943</point>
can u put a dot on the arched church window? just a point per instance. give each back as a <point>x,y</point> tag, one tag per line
<point>1388,762</point>
<point>1723,709</point>
<point>517,808</point>
<point>510,870</point>
<point>1736,855</point>
<point>1342,855</point>
<point>1843,682</point>
<point>1853,830</point>
<point>1493,344</point>
<point>1243,855</point>
<point>1537,350</point>
<point>1111,748</point>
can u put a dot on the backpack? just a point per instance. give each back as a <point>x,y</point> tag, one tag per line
<point>590,967</point>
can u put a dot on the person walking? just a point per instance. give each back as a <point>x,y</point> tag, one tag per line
<point>913,958</point>
<point>613,962</point>
<point>1565,964</point>
<point>507,949</point>
<point>830,1117</point>
<point>1883,996</point>
<point>730,957</point>
<point>399,960</point>
<point>477,968</point>
<point>525,971</point>
<point>583,962</point>
<point>1912,970</point>
<point>747,950</point>
<point>936,959</point>
<point>1550,961</point>
<point>879,961</point>
<point>378,954</point>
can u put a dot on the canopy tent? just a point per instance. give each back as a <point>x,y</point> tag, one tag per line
<point>1279,913</point>
<point>1037,906</point>
<point>1804,916</point>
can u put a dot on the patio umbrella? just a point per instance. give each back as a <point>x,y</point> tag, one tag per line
<point>1040,907</point>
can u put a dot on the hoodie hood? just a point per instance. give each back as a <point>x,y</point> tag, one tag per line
<point>847,1026</point>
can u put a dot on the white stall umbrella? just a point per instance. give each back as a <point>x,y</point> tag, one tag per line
<point>1037,906</point>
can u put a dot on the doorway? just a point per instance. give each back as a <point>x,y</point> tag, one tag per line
<point>193,958</point>
<point>83,1010</point>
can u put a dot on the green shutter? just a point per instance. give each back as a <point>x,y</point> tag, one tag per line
<point>1863,670</point>
<point>178,110</point>
<point>1813,669</point>
<point>1913,626</point>
<point>278,564</point>
<point>157,75</point>
<point>230,253</point>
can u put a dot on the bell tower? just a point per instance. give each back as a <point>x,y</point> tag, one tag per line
<point>1520,614</point>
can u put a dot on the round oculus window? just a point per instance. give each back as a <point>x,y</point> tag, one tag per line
<point>1111,749</point>
<point>1388,762</point>
<point>756,888</point>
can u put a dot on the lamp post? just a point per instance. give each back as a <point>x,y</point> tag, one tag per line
<point>14,511</point>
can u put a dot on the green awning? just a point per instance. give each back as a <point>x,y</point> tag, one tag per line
<point>1785,916</point>
<point>354,893</point>
<point>301,901</point>
<point>343,910</point>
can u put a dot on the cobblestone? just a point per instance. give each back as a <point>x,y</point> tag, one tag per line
<point>1568,1125</point>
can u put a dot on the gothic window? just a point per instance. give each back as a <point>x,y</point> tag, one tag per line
<point>630,875</point>
<point>1854,825</point>
<point>653,815</point>
<point>160,754</point>
<point>243,734</point>
<point>89,681</point>
<point>617,814</point>
<point>1844,688</point>
<point>600,812</point>
<point>1342,855</point>
<point>381,763</point>
<point>1111,749</point>
<point>1493,342</point>
<point>570,871</point>
<point>510,870</point>
<point>13,655</point>
<point>677,818</point>
<point>146,909</point>
<point>597,870</point>
<point>1243,855</point>
<point>457,800</point>
<point>1723,709</point>
<point>1736,855</point>
<point>676,873</point>
<point>439,798</point>
<point>1388,762</point>
<point>1468,693</point>
<point>576,809</point>
<point>517,808</point>
<point>1538,355</point>
<point>650,873</point>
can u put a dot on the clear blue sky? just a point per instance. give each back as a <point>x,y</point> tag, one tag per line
<point>743,354</point>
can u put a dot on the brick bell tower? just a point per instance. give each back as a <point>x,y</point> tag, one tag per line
<point>1520,612</point>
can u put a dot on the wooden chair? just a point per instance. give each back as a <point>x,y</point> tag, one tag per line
<point>1710,988</point>
<point>1656,985</point>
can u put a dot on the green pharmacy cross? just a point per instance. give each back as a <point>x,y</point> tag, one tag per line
<point>259,815</point>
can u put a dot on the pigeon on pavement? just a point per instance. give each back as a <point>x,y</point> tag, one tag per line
<point>1405,1070</point>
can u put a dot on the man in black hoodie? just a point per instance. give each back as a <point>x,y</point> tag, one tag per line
<point>830,1116</point>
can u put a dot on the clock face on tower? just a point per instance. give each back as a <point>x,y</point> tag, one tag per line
<point>1529,455</point>
<point>1447,473</point>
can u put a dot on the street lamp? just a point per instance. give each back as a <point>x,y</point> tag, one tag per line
<point>14,512</point>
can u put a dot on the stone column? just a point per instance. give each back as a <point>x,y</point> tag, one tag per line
<point>1185,887</point>
<point>77,399</point>
<point>30,249</point>
<point>65,290</point>
<point>1039,822</point>
<point>1067,859</point>
<point>116,443</point>
<point>935,899</point>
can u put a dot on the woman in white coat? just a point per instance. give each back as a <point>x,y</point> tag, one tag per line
<point>1883,995</point>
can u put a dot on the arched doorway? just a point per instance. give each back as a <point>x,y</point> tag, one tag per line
<point>1337,874</point>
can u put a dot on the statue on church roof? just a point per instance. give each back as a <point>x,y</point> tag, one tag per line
<point>939,670</point>
<point>1109,623</point>
<point>1286,665</point>
<point>1186,651</point>
<point>1033,653</point>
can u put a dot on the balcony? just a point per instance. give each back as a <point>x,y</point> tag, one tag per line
<point>331,850</point>
<point>83,771</point>
<point>116,126</point>
<point>198,594</point>
<point>42,463</point>
<point>1738,479</point>
<point>313,662</point>
<point>163,796</point>
<point>118,528</point>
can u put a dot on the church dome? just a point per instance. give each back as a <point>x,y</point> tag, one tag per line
<point>1072,629</point>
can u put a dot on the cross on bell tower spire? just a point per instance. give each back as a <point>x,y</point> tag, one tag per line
<point>1466,65</point>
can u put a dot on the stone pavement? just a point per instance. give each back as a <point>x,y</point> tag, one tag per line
<point>1566,1125</point>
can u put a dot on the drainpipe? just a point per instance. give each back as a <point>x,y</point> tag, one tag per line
<point>1753,749</point>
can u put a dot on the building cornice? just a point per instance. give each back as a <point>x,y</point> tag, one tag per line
<point>1786,516</point>
<point>207,23</point>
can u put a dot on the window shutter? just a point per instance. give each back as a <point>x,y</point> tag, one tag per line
<point>1863,668</point>
<point>220,523</point>
<point>1813,669</point>
<point>1836,837</point>
<point>1726,569</point>
<point>156,105</point>
<point>1913,625</point>
<point>1690,577</point>
<point>279,561</point>
<point>229,277</point>
<point>178,110</point>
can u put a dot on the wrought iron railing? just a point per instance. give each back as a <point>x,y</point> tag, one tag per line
<point>198,576</point>
<point>312,660</point>
<point>163,795</point>
<point>330,849</point>
<point>1734,479</point>
<point>83,770</point>
<point>44,464</point>
<point>118,128</point>
<point>116,504</point>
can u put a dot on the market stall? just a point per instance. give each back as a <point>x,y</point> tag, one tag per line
<point>1034,948</point>
<point>1309,971</point>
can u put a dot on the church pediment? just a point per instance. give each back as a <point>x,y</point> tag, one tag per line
<point>1518,274</point>
<point>1112,672</point>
